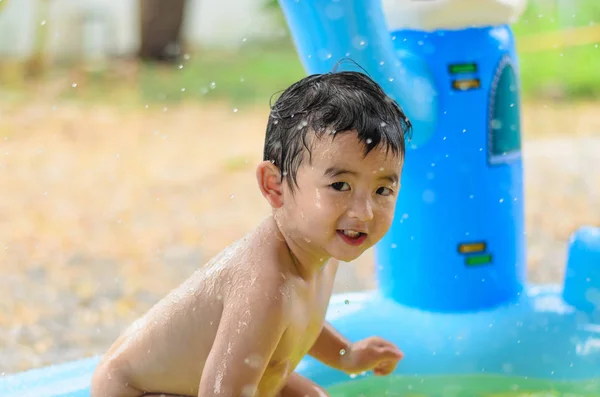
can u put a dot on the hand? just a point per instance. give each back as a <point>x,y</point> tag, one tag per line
<point>372,353</point>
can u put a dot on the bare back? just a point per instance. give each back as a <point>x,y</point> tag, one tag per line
<point>166,350</point>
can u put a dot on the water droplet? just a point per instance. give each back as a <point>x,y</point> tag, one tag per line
<point>231,196</point>
<point>253,361</point>
<point>183,89</point>
<point>391,79</point>
<point>249,390</point>
<point>213,85</point>
<point>43,22</point>
<point>187,57</point>
<point>383,124</point>
<point>369,141</point>
<point>74,85</point>
<point>496,124</point>
<point>244,40</point>
<point>501,200</point>
<point>428,196</point>
<point>342,352</point>
<point>180,66</point>
<point>465,130</point>
<point>235,110</point>
<point>347,302</point>
<point>242,79</point>
<point>444,138</point>
<point>394,245</point>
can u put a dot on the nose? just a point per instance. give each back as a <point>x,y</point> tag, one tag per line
<point>361,209</point>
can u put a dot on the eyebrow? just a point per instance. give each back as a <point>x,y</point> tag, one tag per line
<point>336,171</point>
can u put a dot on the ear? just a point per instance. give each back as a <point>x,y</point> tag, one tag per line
<point>268,177</point>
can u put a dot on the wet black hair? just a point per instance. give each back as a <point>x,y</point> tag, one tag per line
<point>333,103</point>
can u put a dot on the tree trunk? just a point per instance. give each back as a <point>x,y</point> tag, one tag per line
<point>161,22</point>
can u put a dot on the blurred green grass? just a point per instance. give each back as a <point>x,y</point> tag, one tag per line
<point>574,71</point>
<point>255,71</point>
<point>252,74</point>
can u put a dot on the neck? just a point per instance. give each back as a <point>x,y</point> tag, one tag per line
<point>307,259</point>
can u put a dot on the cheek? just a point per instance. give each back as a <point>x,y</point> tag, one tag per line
<point>325,202</point>
<point>385,215</point>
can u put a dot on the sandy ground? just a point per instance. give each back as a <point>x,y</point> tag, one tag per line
<point>103,211</point>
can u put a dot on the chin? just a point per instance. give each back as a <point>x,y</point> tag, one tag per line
<point>349,256</point>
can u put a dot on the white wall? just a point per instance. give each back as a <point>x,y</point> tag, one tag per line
<point>90,27</point>
<point>17,27</point>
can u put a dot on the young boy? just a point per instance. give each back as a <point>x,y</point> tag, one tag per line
<point>238,327</point>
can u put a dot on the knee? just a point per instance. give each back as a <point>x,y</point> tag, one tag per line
<point>320,392</point>
<point>109,381</point>
<point>316,391</point>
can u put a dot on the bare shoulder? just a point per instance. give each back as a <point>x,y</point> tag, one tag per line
<point>260,267</point>
<point>261,277</point>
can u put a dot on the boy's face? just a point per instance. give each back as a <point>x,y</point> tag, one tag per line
<point>344,202</point>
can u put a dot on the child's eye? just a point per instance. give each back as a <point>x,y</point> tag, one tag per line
<point>340,186</point>
<point>384,191</point>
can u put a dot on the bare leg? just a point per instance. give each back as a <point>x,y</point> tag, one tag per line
<point>164,395</point>
<point>299,386</point>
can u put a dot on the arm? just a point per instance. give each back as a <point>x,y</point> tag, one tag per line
<point>248,334</point>
<point>331,347</point>
<point>373,353</point>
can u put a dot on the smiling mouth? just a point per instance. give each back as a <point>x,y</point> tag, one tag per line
<point>352,237</point>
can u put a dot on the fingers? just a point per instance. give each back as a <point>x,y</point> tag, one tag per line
<point>385,368</point>
<point>379,355</point>
<point>390,352</point>
<point>389,355</point>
